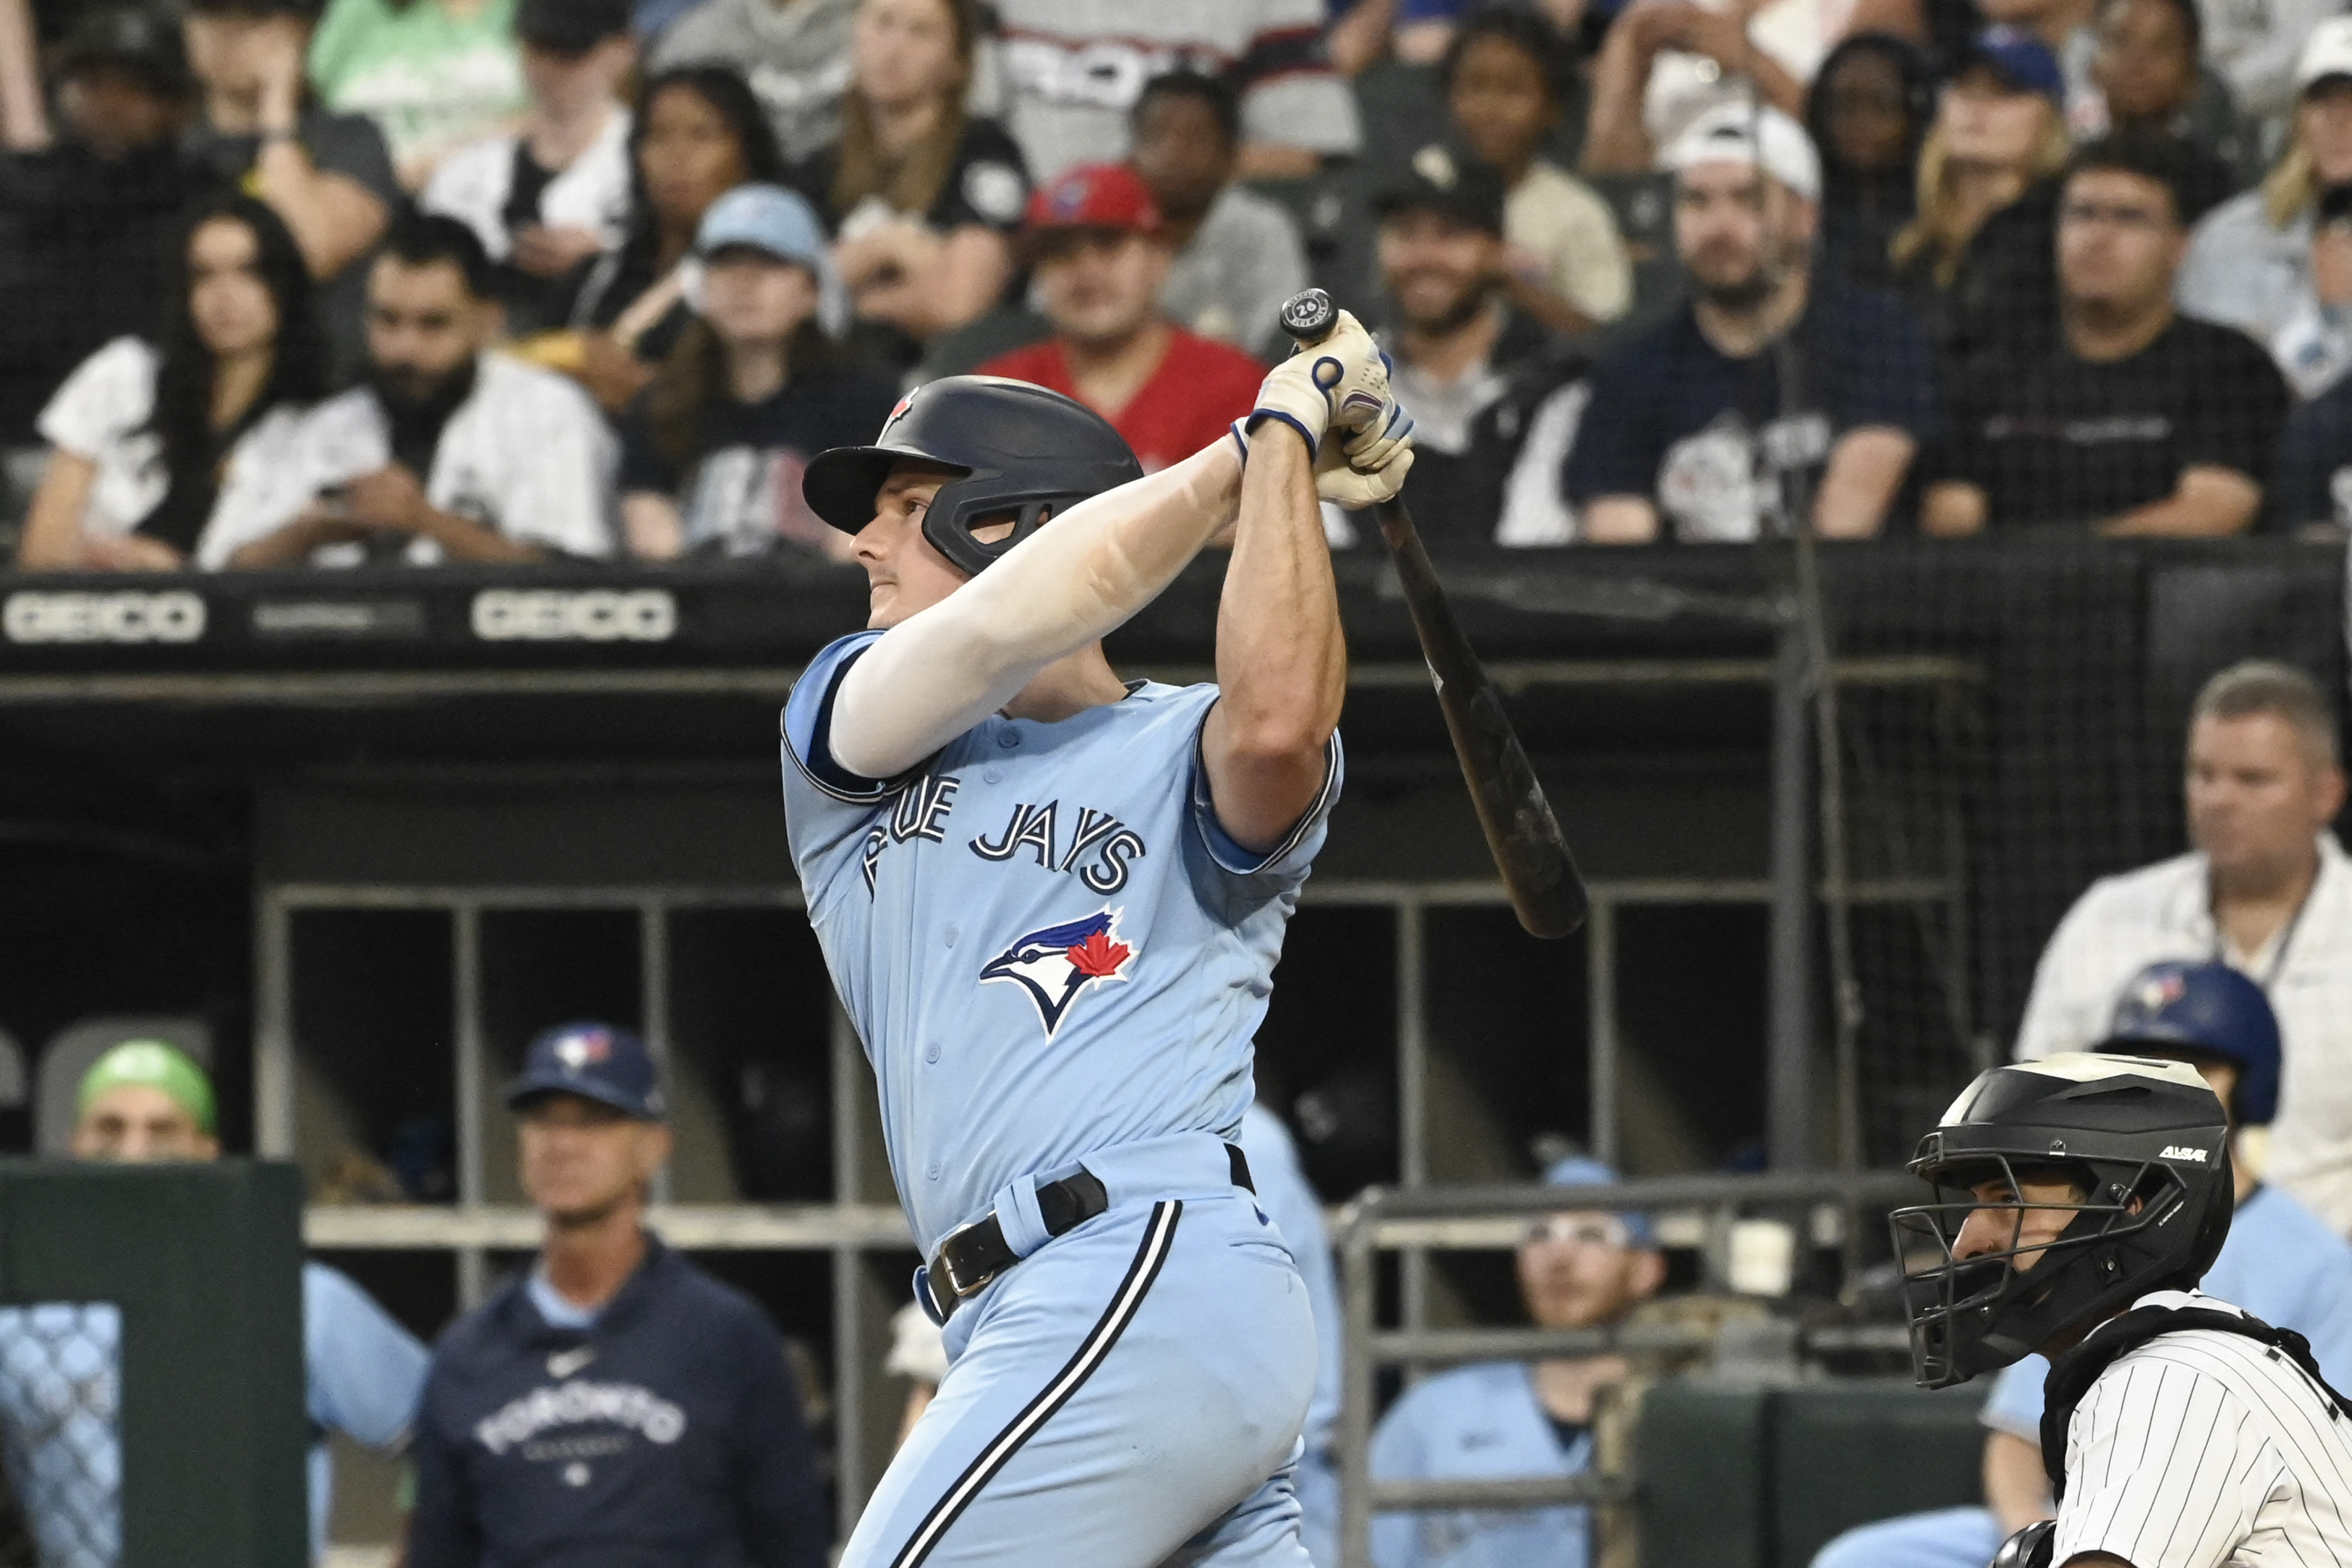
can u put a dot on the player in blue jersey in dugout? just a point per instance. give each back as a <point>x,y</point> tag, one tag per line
<point>1051,900</point>
<point>2279,1262</point>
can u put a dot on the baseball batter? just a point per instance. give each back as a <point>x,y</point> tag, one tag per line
<point>1052,902</point>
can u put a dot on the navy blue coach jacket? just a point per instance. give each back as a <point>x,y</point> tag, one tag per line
<point>667,1435</point>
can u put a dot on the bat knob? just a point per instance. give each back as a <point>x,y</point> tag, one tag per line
<point>1308,316</point>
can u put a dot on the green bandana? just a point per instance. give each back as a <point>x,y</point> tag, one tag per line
<point>150,1064</point>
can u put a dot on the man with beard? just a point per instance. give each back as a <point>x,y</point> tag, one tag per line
<point>445,452</point>
<point>1494,396</point>
<point>1766,373</point>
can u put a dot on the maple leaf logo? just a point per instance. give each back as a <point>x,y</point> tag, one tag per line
<point>1098,957</point>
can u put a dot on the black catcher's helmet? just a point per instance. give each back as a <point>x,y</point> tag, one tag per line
<point>2147,1144</point>
<point>1023,451</point>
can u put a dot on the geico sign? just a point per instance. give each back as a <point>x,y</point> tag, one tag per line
<point>174,616</point>
<point>597,614</point>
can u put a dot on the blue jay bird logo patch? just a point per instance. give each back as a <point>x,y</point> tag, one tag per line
<point>1052,966</point>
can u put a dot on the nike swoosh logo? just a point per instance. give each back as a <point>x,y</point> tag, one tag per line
<point>564,1364</point>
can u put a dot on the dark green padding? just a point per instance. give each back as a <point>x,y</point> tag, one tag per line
<point>1846,1454</point>
<point>1750,1478</point>
<point>205,1263</point>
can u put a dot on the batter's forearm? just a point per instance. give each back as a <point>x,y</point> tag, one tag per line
<point>1282,660</point>
<point>943,669</point>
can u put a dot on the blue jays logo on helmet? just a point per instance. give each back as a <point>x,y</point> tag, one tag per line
<point>577,1051</point>
<point>2159,988</point>
<point>1055,965</point>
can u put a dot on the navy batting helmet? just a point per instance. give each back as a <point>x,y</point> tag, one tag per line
<point>2206,1010</point>
<point>2146,1147</point>
<point>1020,452</point>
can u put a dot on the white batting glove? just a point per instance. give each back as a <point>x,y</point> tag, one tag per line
<point>1342,380</point>
<point>1374,451</point>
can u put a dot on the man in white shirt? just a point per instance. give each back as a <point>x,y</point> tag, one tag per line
<point>2266,891</point>
<point>445,452</point>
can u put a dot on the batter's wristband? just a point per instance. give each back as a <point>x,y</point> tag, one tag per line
<point>1250,426</point>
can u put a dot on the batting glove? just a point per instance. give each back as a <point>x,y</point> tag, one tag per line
<point>1342,380</point>
<point>1369,466</point>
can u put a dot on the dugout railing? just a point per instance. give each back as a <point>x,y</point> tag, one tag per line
<point>1704,1214</point>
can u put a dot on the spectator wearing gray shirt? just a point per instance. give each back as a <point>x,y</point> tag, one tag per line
<point>795,53</point>
<point>1238,256</point>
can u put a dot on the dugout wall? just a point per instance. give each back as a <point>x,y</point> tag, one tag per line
<point>152,1317</point>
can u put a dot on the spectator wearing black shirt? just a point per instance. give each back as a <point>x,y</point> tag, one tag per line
<point>1976,262</point>
<point>555,192</point>
<point>1694,425</point>
<point>257,129</point>
<point>149,440</point>
<point>1868,113</point>
<point>1477,374</point>
<point>922,197</point>
<point>2136,420</point>
<point>697,133</point>
<point>712,455</point>
<point>87,220</point>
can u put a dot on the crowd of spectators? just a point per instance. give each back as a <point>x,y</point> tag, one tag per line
<point>347,281</point>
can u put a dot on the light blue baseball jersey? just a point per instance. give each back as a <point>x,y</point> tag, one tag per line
<point>1481,1423</point>
<point>1047,941</point>
<point>2279,1262</point>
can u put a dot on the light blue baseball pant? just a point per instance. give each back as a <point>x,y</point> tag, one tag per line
<point>1947,1538</point>
<point>1128,1395</point>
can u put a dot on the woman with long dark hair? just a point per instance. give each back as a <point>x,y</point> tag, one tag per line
<point>150,440</point>
<point>698,133</point>
<point>1869,111</point>
<point>713,453</point>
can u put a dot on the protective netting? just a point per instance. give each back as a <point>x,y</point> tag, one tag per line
<point>2012,723</point>
<point>60,1395</point>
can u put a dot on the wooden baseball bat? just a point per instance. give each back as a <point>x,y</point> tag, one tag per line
<point>1536,867</point>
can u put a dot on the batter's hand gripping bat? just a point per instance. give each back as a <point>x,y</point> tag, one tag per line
<point>1546,890</point>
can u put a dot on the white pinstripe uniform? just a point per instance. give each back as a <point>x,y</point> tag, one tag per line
<point>2206,1449</point>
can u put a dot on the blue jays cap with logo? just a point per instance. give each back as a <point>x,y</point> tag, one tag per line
<point>763,217</point>
<point>2021,60</point>
<point>1581,1171</point>
<point>595,1061</point>
<point>2205,1010</point>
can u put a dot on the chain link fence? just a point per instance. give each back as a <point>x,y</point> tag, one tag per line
<point>60,1399</point>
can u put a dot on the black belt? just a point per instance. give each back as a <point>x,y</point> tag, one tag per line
<point>972,1256</point>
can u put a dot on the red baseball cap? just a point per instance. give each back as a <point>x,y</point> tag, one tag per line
<point>1094,196</point>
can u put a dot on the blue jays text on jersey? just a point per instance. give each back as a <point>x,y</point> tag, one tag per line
<point>1044,937</point>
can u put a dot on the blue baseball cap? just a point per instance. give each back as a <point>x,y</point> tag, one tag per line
<point>763,217</point>
<point>1581,1171</point>
<point>595,1061</point>
<point>2021,60</point>
<point>2208,1010</point>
